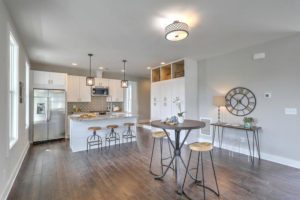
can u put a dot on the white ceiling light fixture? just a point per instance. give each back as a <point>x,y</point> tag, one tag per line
<point>176,31</point>
<point>162,63</point>
<point>148,68</point>
<point>101,68</point>
<point>74,64</point>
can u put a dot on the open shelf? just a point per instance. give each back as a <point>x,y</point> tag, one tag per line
<point>156,75</point>
<point>178,69</point>
<point>165,72</point>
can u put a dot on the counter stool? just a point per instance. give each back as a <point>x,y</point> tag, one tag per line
<point>128,134</point>
<point>94,140</point>
<point>112,135</point>
<point>201,147</point>
<point>160,135</point>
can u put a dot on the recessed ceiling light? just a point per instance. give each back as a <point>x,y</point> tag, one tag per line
<point>162,63</point>
<point>148,68</point>
<point>74,64</point>
<point>122,70</point>
<point>101,68</point>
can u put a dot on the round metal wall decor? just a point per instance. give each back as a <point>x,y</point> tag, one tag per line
<point>240,101</point>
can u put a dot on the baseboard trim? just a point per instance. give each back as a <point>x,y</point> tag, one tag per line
<point>15,172</point>
<point>264,156</point>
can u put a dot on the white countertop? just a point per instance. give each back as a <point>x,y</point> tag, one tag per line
<point>103,117</point>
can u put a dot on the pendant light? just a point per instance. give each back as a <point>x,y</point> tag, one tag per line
<point>90,80</point>
<point>124,82</point>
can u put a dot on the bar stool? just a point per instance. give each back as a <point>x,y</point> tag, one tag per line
<point>93,140</point>
<point>160,135</point>
<point>112,135</point>
<point>201,147</point>
<point>128,134</point>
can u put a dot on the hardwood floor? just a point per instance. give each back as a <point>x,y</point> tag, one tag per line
<point>52,171</point>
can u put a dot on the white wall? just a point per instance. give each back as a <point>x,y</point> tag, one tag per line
<point>10,160</point>
<point>279,74</point>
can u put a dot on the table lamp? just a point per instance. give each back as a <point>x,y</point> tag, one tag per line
<point>219,101</point>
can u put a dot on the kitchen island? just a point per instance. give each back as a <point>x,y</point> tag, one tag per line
<point>78,128</point>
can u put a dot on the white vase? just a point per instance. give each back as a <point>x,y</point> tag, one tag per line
<point>180,120</point>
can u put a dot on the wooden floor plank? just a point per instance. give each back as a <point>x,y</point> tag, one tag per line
<point>52,171</point>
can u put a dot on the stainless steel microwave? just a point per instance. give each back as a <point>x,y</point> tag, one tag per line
<point>100,91</point>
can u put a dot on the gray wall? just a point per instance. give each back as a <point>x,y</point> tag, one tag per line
<point>278,73</point>
<point>10,159</point>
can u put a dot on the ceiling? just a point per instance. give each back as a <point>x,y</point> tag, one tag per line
<point>60,32</point>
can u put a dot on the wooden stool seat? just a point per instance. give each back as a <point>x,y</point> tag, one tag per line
<point>128,124</point>
<point>201,146</point>
<point>94,128</point>
<point>112,126</point>
<point>159,134</point>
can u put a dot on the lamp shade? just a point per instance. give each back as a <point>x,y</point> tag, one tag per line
<point>219,101</point>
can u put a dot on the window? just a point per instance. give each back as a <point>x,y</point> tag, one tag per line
<point>27,95</point>
<point>13,90</point>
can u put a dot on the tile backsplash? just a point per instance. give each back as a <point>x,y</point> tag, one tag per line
<point>96,104</point>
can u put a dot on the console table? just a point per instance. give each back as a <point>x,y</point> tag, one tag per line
<point>219,127</point>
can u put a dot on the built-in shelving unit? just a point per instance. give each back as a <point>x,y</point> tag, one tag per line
<point>155,75</point>
<point>178,69</point>
<point>173,81</point>
<point>169,71</point>
<point>165,72</point>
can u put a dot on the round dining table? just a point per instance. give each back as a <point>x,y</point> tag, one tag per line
<point>188,126</point>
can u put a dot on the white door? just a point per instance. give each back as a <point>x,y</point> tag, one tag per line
<point>84,90</point>
<point>73,89</point>
<point>57,80</point>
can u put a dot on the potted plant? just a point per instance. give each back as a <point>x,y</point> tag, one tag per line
<point>180,113</point>
<point>248,122</point>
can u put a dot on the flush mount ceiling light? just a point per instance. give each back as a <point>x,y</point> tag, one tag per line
<point>124,82</point>
<point>74,64</point>
<point>176,31</point>
<point>90,80</point>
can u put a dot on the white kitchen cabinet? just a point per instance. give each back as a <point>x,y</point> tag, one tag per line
<point>166,98</point>
<point>178,91</point>
<point>77,89</point>
<point>155,101</point>
<point>84,91</point>
<point>116,92</point>
<point>49,80</point>
<point>101,82</point>
<point>58,80</point>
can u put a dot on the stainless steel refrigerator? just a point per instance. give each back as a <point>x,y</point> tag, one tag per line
<point>49,114</point>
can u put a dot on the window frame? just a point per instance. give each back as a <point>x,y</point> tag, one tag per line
<point>13,90</point>
<point>27,95</point>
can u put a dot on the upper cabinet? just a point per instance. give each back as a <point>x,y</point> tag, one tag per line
<point>77,89</point>
<point>101,82</point>
<point>49,80</point>
<point>116,92</point>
